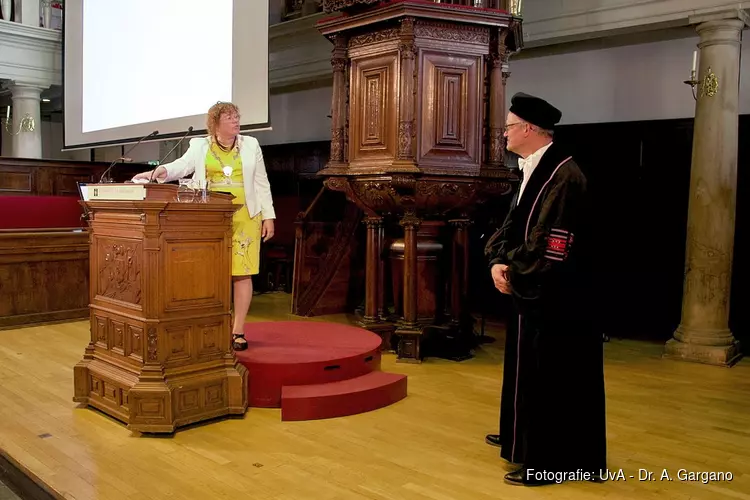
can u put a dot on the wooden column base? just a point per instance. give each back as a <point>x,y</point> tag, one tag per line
<point>409,348</point>
<point>384,329</point>
<point>180,398</point>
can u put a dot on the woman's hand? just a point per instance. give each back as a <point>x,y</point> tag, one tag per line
<point>160,175</point>
<point>267,230</point>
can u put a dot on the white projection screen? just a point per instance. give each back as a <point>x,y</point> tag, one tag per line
<point>130,68</point>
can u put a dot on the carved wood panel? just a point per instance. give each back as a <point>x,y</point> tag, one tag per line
<point>190,281</point>
<point>118,337</point>
<point>121,337</point>
<point>119,269</point>
<point>451,116</point>
<point>16,182</point>
<point>209,341</point>
<point>179,344</point>
<point>100,331</point>
<point>451,125</point>
<point>134,343</point>
<point>374,111</point>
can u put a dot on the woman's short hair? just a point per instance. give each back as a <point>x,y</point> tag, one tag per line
<point>215,112</point>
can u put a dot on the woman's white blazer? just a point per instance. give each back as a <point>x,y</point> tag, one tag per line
<point>257,188</point>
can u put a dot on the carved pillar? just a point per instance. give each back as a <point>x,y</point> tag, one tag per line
<point>338,101</point>
<point>498,59</point>
<point>26,127</point>
<point>372,273</point>
<point>409,331</point>
<point>381,273</point>
<point>703,334</point>
<point>407,51</point>
<point>459,269</point>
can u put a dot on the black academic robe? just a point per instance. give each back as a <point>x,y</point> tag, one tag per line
<point>552,413</point>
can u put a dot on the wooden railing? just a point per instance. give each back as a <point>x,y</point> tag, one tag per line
<point>294,9</point>
<point>298,8</point>
<point>480,4</point>
<point>324,255</point>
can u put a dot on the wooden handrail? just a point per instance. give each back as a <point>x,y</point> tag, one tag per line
<point>304,215</point>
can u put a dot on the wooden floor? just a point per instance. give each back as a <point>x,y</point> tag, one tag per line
<point>661,415</point>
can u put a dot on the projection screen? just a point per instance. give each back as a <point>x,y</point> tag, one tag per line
<point>130,68</point>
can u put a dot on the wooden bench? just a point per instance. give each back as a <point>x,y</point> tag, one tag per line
<point>44,260</point>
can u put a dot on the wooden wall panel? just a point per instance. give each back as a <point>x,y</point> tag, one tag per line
<point>43,276</point>
<point>374,118</point>
<point>24,176</point>
<point>451,126</point>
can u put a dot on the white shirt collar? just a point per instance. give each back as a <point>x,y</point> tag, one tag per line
<point>528,165</point>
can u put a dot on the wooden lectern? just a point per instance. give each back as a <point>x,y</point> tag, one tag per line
<point>160,290</point>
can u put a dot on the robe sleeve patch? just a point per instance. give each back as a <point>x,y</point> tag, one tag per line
<point>558,244</point>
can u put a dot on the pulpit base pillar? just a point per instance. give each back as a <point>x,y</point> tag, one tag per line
<point>161,406</point>
<point>383,329</point>
<point>409,338</point>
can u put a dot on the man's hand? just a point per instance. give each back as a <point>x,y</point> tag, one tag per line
<point>267,230</point>
<point>500,277</point>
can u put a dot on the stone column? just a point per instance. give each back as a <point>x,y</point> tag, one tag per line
<point>703,334</point>
<point>26,103</point>
<point>30,12</point>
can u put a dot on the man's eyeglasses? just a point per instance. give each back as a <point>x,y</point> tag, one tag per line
<point>509,125</point>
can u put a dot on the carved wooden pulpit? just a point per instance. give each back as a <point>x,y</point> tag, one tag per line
<point>418,115</point>
<point>160,291</point>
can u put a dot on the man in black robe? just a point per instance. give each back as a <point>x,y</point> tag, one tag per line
<point>552,416</point>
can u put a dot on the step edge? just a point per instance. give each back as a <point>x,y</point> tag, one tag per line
<point>394,378</point>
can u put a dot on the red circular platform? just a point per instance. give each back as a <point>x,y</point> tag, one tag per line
<point>294,353</point>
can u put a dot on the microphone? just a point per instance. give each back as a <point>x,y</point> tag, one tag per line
<point>101,179</point>
<point>190,129</point>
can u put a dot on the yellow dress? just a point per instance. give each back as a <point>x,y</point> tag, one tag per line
<point>246,230</point>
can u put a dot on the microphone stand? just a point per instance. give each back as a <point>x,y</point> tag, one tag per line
<point>101,179</point>
<point>153,172</point>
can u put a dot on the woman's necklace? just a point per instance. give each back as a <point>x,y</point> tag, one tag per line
<point>226,148</point>
<point>226,169</point>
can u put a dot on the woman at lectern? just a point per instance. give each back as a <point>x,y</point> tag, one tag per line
<point>233,163</point>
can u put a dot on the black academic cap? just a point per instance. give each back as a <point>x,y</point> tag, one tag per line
<point>535,110</point>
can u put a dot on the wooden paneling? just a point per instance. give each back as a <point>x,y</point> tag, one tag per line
<point>24,176</point>
<point>328,269</point>
<point>374,116</point>
<point>43,276</point>
<point>450,101</point>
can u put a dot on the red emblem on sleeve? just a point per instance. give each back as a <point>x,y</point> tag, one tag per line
<point>558,244</point>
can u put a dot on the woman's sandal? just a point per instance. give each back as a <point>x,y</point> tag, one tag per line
<point>238,342</point>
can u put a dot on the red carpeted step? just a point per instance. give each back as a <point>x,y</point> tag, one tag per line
<point>283,353</point>
<point>346,397</point>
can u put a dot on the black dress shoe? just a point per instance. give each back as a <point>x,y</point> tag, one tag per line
<point>492,439</point>
<point>521,478</point>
